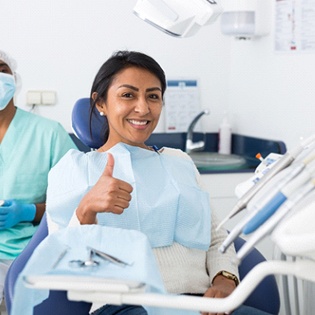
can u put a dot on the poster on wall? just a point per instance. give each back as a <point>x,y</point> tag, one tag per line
<point>295,26</point>
<point>181,104</point>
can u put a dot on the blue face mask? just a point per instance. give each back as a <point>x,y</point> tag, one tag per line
<point>7,89</point>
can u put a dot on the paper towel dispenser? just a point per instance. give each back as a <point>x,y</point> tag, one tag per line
<point>245,19</point>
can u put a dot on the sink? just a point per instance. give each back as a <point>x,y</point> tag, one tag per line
<point>217,161</point>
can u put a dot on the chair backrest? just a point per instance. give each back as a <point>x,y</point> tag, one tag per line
<point>266,295</point>
<point>92,135</point>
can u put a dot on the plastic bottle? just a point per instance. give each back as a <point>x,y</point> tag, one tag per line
<point>225,137</point>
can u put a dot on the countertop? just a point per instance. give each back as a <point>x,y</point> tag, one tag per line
<point>244,146</point>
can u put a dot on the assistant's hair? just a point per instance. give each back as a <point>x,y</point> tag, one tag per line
<point>119,61</point>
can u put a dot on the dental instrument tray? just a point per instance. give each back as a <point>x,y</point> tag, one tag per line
<point>71,282</point>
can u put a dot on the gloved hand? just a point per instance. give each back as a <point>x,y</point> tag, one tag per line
<point>12,212</point>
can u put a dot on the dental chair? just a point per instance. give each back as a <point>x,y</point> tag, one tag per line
<point>264,297</point>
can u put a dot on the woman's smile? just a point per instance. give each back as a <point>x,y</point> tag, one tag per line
<point>139,124</point>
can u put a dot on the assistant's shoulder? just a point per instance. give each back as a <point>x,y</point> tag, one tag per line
<point>45,130</point>
<point>37,121</point>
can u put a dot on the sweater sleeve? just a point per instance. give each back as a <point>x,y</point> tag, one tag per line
<point>216,261</point>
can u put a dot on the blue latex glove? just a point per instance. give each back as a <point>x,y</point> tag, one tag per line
<point>12,212</point>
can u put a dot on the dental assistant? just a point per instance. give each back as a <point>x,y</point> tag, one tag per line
<point>30,146</point>
<point>127,184</point>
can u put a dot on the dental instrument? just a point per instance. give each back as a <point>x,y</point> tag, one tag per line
<point>278,182</point>
<point>282,163</point>
<point>269,225</point>
<point>267,162</point>
<point>235,232</point>
<point>108,257</point>
<point>280,198</point>
<point>264,167</point>
<point>258,203</point>
<point>78,263</point>
<point>62,254</point>
<point>90,262</point>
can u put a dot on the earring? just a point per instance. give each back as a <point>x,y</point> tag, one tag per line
<point>101,113</point>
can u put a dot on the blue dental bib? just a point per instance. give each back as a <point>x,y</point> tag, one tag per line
<point>167,203</point>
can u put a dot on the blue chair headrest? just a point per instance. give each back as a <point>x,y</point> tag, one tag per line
<point>92,137</point>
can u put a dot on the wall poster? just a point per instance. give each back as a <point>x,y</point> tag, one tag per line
<point>182,104</point>
<point>295,26</point>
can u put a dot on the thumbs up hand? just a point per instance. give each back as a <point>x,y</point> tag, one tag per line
<point>109,194</point>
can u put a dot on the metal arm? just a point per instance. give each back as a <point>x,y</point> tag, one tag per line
<point>107,291</point>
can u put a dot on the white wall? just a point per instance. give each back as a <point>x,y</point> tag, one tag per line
<point>271,94</point>
<point>60,45</point>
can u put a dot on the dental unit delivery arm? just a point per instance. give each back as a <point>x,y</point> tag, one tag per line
<point>280,198</point>
<point>269,225</point>
<point>259,203</point>
<point>282,163</point>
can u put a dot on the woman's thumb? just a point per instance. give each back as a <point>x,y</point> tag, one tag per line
<point>109,168</point>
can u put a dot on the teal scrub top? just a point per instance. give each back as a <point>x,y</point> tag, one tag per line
<point>31,146</point>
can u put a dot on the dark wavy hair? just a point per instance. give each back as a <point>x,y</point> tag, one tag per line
<point>117,62</point>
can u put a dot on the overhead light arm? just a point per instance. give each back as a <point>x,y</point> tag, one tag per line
<point>179,18</point>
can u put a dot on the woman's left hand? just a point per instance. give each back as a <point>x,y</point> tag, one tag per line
<point>221,288</point>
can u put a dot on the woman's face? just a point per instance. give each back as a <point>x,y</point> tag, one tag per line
<point>133,107</point>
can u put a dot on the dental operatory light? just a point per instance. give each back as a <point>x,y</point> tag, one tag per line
<point>179,18</point>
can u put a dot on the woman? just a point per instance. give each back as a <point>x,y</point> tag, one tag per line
<point>127,184</point>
